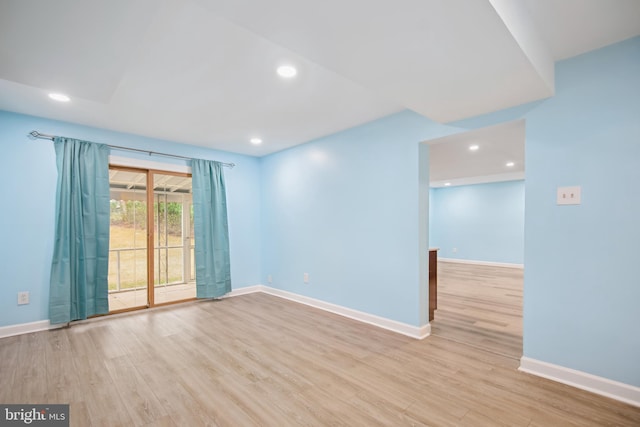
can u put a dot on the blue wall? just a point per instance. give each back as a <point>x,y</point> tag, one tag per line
<point>28,176</point>
<point>582,287</point>
<point>484,222</point>
<point>345,209</point>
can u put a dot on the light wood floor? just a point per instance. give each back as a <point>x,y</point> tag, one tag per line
<point>480,306</point>
<point>261,360</point>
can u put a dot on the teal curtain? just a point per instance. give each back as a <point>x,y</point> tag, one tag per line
<point>79,282</point>
<point>213,267</point>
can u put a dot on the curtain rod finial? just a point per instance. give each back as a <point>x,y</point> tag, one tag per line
<point>33,134</point>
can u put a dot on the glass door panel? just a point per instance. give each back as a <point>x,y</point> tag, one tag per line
<point>173,231</point>
<point>192,247</point>
<point>128,240</point>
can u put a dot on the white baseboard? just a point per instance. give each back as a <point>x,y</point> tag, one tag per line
<point>244,291</point>
<point>26,328</point>
<point>381,322</point>
<point>616,390</point>
<point>417,332</point>
<point>488,263</point>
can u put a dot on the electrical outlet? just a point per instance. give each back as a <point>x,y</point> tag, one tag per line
<point>23,298</point>
<point>568,195</point>
<point>306,277</point>
<point>269,279</point>
<point>454,250</point>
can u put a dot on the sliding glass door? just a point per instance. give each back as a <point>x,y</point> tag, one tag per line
<point>150,245</point>
<point>173,219</point>
<point>128,256</point>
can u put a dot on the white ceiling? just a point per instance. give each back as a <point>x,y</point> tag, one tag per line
<point>451,162</point>
<point>572,27</point>
<point>203,71</point>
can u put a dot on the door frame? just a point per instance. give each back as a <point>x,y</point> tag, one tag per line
<point>150,195</point>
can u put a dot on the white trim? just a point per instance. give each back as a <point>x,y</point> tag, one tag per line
<point>132,162</point>
<point>381,322</point>
<point>244,291</point>
<point>616,390</point>
<point>27,328</point>
<point>489,263</point>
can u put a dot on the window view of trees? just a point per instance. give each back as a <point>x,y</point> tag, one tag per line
<point>128,242</point>
<point>129,213</point>
<point>133,213</point>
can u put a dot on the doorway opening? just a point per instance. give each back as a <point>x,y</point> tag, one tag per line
<point>476,222</point>
<point>151,246</point>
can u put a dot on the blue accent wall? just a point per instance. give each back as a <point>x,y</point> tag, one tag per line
<point>483,222</point>
<point>28,176</point>
<point>582,287</point>
<point>345,209</point>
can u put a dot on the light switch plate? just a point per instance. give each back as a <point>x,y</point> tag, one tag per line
<point>568,195</point>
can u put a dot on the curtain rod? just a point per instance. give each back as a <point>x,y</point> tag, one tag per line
<point>35,134</point>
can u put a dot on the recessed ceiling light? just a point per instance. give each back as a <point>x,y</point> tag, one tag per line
<point>60,97</point>
<point>474,147</point>
<point>255,141</point>
<point>510,164</point>
<point>287,71</point>
<point>446,184</point>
